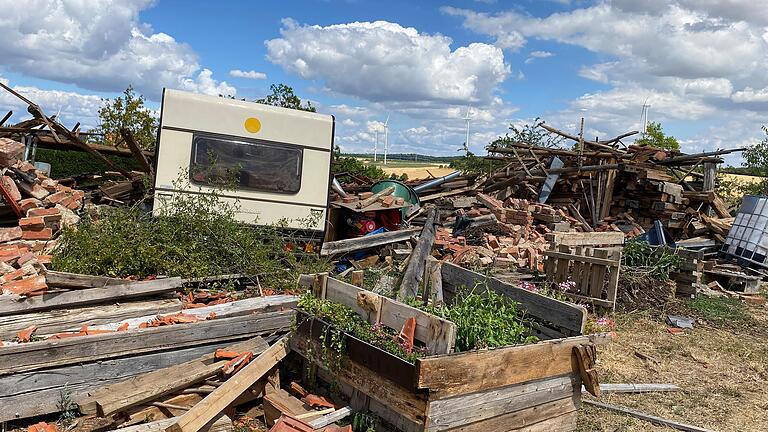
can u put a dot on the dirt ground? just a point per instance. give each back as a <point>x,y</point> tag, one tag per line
<point>721,365</point>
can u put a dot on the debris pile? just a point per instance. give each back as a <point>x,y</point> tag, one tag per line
<point>35,209</point>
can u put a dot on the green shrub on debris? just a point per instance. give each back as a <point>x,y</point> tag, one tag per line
<point>195,236</point>
<point>656,261</point>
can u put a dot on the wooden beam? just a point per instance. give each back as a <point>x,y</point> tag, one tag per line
<point>647,417</point>
<point>374,240</point>
<point>414,273</point>
<point>136,151</point>
<point>111,399</point>
<point>638,388</point>
<point>50,353</point>
<point>586,238</point>
<point>90,296</point>
<point>207,409</point>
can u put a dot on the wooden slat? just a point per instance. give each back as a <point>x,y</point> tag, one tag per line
<point>80,281</point>
<point>90,296</point>
<point>51,353</point>
<point>647,417</point>
<point>366,242</point>
<point>439,335</point>
<point>111,399</point>
<point>598,274</point>
<point>202,413</point>
<point>572,257</point>
<point>467,372</point>
<point>34,393</point>
<point>586,238</point>
<point>59,320</point>
<point>445,414</point>
<point>555,416</point>
<point>568,318</point>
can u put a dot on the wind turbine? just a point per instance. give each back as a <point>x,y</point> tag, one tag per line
<point>376,144</point>
<point>467,118</point>
<point>644,116</point>
<point>386,139</point>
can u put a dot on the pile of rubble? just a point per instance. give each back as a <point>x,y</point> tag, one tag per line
<point>35,209</point>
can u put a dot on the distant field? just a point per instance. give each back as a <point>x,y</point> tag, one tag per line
<point>414,169</point>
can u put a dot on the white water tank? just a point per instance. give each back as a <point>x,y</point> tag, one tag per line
<point>747,240</point>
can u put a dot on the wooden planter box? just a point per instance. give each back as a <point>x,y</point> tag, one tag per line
<point>535,387</point>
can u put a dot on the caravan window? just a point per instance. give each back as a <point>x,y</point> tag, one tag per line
<point>259,166</point>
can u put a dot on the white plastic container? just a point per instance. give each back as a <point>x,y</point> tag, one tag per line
<point>747,240</point>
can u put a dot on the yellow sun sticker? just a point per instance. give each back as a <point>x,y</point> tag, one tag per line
<point>252,125</point>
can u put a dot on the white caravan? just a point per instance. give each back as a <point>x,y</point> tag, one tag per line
<point>278,158</point>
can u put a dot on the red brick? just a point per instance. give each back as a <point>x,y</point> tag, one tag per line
<point>56,197</point>
<point>35,284</point>
<point>365,195</point>
<point>10,151</point>
<point>25,258</point>
<point>39,192</point>
<point>44,259</point>
<point>12,276</point>
<point>28,204</point>
<point>11,188</point>
<point>35,222</point>
<point>43,234</point>
<point>387,201</point>
<point>43,212</point>
<point>72,204</point>
<point>49,184</point>
<point>8,234</point>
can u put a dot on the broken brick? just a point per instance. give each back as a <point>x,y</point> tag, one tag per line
<point>10,151</point>
<point>10,186</point>
<point>8,234</point>
<point>56,197</point>
<point>33,223</point>
<point>28,204</point>
<point>30,286</point>
<point>387,201</point>
<point>41,234</point>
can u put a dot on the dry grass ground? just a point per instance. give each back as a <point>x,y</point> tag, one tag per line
<point>721,365</point>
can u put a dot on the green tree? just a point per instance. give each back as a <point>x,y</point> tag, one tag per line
<point>654,137</point>
<point>756,160</point>
<point>127,111</point>
<point>283,96</point>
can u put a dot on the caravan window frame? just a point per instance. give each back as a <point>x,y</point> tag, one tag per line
<point>295,188</point>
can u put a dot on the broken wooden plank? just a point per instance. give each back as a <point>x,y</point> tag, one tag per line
<point>39,392</point>
<point>585,238</point>
<point>50,353</point>
<point>136,151</point>
<point>638,388</point>
<point>647,417</point>
<point>414,273</point>
<point>333,417</point>
<point>225,310</point>
<point>80,281</point>
<point>90,296</point>
<point>366,242</point>
<point>114,398</point>
<point>59,320</point>
<point>202,413</point>
<point>221,423</point>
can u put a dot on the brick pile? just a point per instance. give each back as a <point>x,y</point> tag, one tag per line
<point>41,207</point>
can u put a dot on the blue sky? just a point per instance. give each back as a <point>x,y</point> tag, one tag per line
<point>699,63</point>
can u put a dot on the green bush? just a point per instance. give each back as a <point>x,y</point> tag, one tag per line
<point>658,261</point>
<point>195,236</point>
<point>70,163</point>
<point>353,167</point>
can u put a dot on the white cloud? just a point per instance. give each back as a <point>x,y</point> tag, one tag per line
<point>385,62</point>
<point>97,45</point>
<point>537,55</point>
<point>251,74</point>
<point>751,95</point>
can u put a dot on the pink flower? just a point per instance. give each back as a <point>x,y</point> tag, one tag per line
<point>605,322</point>
<point>528,286</point>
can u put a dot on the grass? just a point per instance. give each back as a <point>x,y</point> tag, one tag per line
<point>721,372</point>
<point>718,310</point>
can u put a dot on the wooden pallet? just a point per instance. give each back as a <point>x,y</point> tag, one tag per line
<point>595,272</point>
